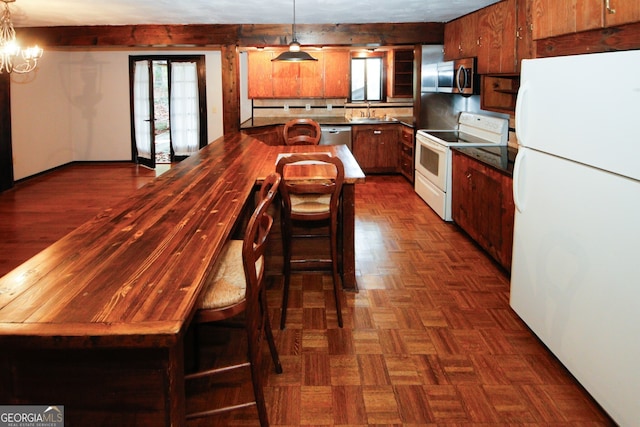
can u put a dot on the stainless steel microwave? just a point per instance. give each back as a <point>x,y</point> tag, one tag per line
<point>456,76</point>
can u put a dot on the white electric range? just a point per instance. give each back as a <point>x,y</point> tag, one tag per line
<point>433,155</point>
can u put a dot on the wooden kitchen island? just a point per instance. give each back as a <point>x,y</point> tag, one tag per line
<point>97,321</point>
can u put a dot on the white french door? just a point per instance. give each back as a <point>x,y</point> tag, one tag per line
<point>143,117</point>
<point>168,108</point>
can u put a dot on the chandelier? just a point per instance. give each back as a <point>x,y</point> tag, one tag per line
<point>10,50</point>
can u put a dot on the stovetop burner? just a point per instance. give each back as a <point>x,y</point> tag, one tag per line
<point>473,129</point>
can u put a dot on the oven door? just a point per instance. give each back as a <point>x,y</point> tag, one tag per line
<point>431,161</point>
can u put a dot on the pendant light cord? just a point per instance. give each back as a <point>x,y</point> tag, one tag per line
<point>294,21</point>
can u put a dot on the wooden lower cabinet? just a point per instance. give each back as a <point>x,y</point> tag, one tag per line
<point>270,135</point>
<point>375,147</point>
<point>482,205</point>
<point>406,161</point>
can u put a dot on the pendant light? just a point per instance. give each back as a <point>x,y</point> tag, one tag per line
<point>294,54</point>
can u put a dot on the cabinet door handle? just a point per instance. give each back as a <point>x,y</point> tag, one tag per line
<point>608,6</point>
<point>377,132</point>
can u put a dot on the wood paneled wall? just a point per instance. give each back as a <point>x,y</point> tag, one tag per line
<point>6,156</point>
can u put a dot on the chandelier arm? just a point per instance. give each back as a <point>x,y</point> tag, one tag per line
<point>10,50</point>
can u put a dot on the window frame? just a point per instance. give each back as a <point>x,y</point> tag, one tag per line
<point>383,75</point>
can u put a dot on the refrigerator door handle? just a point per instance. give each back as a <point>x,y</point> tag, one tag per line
<point>517,172</point>
<point>521,130</point>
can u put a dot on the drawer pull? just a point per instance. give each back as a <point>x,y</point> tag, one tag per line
<point>377,132</point>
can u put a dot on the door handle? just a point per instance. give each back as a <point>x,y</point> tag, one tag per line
<point>608,6</point>
<point>517,172</point>
<point>461,79</point>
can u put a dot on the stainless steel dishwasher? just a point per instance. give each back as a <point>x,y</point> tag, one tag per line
<point>335,135</point>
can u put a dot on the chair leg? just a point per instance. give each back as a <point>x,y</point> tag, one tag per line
<point>256,380</point>
<point>334,267</point>
<point>269,333</point>
<point>286,253</point>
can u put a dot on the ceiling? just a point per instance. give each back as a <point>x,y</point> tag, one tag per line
<point>37,13</point>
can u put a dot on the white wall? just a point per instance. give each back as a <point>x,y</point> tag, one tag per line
<point>76,108</point>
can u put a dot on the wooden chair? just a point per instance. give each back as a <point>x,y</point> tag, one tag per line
<point>236,287</point>
<point>301,132</point>
<point>310,201</point>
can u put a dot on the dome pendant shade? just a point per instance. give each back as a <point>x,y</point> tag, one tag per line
<point>294,54</point>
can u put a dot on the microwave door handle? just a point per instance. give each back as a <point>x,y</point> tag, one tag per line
<point>461,75</point>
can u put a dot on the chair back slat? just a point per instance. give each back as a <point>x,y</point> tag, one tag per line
<point>301,132</point>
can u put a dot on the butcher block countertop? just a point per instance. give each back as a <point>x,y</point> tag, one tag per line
<point>132,275</point>
<point>97,322</point>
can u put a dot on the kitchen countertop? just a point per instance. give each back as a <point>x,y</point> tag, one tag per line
<point>500,158</point>
<point>256,122</point>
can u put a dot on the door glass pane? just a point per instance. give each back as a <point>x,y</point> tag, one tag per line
<point>161,111</point>
<point>142,113</point>
<point>185,111</point>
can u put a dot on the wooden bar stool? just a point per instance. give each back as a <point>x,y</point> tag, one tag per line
<point>236,287</point>
<point>310,195</point>
<point>301,132</point>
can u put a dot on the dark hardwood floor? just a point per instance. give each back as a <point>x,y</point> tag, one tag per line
<point>429,339</point>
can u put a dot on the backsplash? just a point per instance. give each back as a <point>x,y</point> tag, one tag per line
<point>329,108</point>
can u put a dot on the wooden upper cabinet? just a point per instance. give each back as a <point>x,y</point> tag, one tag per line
<point>496,49</point>
<point>298,79</point>
<point>260,73</point>
<point>498,35</point>
<point>337,69</point>
<point>285,79</point>
<point>622,12</point>
<point>553,18</point>
<point>269,79</point>
<point>311,77</point>
<point>460,37</point>
<point>400,73</point>
<point>327,77</point>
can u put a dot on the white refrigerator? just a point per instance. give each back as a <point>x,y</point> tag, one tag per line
<point>575,277</point>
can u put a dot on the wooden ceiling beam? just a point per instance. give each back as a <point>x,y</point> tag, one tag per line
<point>245,35</point>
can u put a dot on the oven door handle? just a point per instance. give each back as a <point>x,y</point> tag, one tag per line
<point>432,145</point>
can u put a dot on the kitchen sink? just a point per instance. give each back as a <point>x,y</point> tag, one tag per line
<point>373,120</point>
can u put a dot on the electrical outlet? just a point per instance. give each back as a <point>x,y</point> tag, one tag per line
<point>286,107</point>
<point>307,107</point>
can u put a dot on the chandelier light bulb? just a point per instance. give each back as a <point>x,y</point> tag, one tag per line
<point>10,51</point>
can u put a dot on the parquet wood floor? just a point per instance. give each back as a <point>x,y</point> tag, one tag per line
<point>429,339</point>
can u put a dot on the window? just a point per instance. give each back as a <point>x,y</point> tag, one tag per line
<point>366,79</point>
